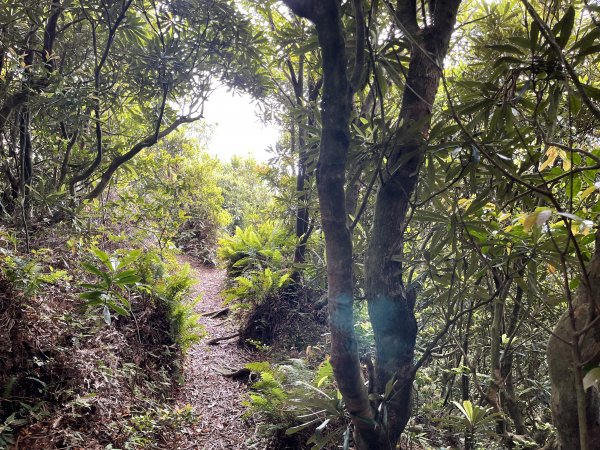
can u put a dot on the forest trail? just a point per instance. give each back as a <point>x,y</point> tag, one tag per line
<point>216,399</point>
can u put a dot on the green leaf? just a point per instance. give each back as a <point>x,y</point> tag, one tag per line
<point>306,48</point>
<point>592,378</point>
<point>118,308</point>
<point>508,60</point>
<point>91,295</point>
<point>592,91</point>
<point>591,50</point>
<point>127,277</point>
<point>298,428</point>
<point>565,27</point>
<point>95,302</point>
<point>505,48</point>
<point>130,257</point>
<point>92,269</point>
<point>102,256</point>
<point>521,41</point>
<point>534,34</point>
<point>574,102</point>
<point>588,40</point>
<point>570,216</point>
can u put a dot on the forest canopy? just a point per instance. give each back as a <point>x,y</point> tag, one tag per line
<point>417,266</point>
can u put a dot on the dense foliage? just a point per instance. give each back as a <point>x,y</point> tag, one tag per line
<point>435,186</point>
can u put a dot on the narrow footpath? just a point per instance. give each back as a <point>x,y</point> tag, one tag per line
<point>215,399</point>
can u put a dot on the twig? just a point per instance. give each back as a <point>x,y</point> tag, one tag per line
<point>217,313</point>
<point>215,341</point>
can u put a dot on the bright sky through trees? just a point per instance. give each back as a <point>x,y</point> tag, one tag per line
<point>237,129</point>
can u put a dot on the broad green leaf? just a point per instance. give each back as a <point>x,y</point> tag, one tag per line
<point>298,428</point>
<point>92,269</point>
<point>118,309</point>
<point>127,277</point>
<point>130,257</point>
<point>505,48</point>
<point>592,378</point>
<point>589,191</point>
<point>565,27</point>
<point>91,295</point>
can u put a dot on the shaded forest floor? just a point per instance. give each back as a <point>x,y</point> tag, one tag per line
<point>217,400</point>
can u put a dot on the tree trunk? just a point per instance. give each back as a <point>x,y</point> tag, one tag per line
<point>508,395</point>
<point>331,171</point>
<point>496,332</point>
<point>571,406</point>
<point>390,304</point>
<point>301,179</point>
<point>465,391</point>
<point>25,152</point>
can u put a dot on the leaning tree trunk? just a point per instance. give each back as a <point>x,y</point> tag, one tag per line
<point>390,303</point>
<point>576,412</point>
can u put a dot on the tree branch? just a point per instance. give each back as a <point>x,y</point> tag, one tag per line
<point>149,141</point>
<point>302,8</point>
<point>357,78</point>
<point>558,50</point>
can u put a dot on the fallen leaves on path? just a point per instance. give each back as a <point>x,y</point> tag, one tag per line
<point>215,398</point>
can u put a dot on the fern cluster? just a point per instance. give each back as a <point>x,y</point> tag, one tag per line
<point>294,397</point>
<point>258,262</point>
<point>124,277</point>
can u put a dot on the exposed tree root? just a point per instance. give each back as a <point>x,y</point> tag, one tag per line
<point>216,314</point>
<point>215,341</point>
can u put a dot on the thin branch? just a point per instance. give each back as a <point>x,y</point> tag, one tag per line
<point>559,52</point>
<point>358,74</point>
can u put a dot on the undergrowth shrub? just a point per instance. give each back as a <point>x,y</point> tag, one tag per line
<point>145,429</point>
<point>68,379</point>
<point>255,248</point>
<point>297,405</point>
<point>247,192</point>
<point>252,289</point>
<point>270,305</point>
<point>140,275</point>
<point>27,275</point>
<point>174,291</point>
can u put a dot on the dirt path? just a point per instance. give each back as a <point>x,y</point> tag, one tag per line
<point>216,399</point>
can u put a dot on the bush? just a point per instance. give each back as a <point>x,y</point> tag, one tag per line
<point>259,263</point>
<point>253,249</point>
<point>173,291</point>
<point>70,379</point>
<point>136,274</point>
<point>246,193</point>
<point>177,202</point>
<point>295,404</point>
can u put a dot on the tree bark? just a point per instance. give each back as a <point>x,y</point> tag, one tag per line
<point>302,175</point>
<point>390,303</point>
<point>496,331</point>
<point>19,103</point>
<point>569,348</point>
<point>335,141</point>
<point>508,395</point>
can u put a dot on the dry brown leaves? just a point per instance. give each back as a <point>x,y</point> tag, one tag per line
<point>216,399</point>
